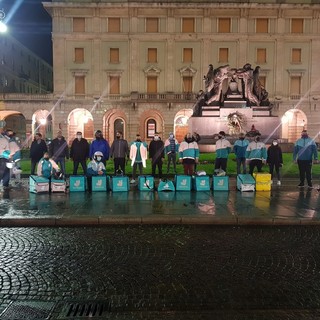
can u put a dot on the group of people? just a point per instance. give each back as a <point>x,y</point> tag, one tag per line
<point>252,154</point>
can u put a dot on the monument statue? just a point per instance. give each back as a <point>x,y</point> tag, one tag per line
<point>223,85</point>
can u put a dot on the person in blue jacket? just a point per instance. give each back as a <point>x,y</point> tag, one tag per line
<point>100,144</point>
<point>305,150</point>
<point>239,148</point>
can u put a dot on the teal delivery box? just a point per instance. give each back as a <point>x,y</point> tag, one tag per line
<point>99,183</point>
<point>38,184</point>
<point>119,183</point>
<point>58,185</point>
<point>245,182</point>
<point>77,183</point>
<point>145,183</point>
<point>220,183</point>
<point>182,182</point>
<point>201,183</point>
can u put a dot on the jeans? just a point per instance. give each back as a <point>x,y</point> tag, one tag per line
<point>172,157</point>
<point>241,162</point>
<point>305,171</point>
<point>134,170</point>
<point>4,173</point>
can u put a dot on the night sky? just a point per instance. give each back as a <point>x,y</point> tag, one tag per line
<point>30,24</point>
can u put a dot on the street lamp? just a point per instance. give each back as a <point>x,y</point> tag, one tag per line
<point>3,27</point>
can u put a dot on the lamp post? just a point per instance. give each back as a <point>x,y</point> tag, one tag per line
<point>3,27</point>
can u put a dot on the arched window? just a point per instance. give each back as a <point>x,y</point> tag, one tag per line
<point>118,126</point>
<point>151,128</point>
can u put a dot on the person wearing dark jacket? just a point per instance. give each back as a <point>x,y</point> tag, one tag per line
<point>274,159</point>
<point>79,153</point>
<point>119,151</point>
<point>156,154</point>
<point>37,150</point>
<point>59,150</point>
<point>100,144</point>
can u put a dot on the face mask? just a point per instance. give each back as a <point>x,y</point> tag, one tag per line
<point>46,158</point>
<point>79,137</point>
<point>241,138</point>
<point>171,136</point>
<point>304,136</point>
<point>189,139</point>
<point>156,138</point>
<point>275,143</point>
<point>220,137</point>
<point>98,158</point>
<point>118,137</point>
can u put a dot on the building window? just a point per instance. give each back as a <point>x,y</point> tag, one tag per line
<point>151,128</point>
<point>223,55</point>
<point>296,55</point>
<point>114,55</point>
<point>118,127</point>
<point>152,25</point>
<point>187,25</point>
<point>295,86</point>
<point>152,55</point>
<point>187,84</point>
<point>262,25</point>
<point>152,84</point>
<point>261,55</point>
<point>79,25</point>
<point>224,25</point>
<point>187,55</point>
<point>79,55</point>
<point>297,25</point>
<point>113,24</point>
<point>114,85</point>
<point>79,85</point>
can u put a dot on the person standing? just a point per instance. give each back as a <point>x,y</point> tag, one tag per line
<point>138,156</point>
<point>223,148</point>
<point>37,150</point>
<point>5,155</point>
<point>171,149</point>
<point>305,150</point>
<point>274,159</point>
<point>100,144</point>
<point>59,151</point>
<point>119,151</point>
<point>239,148</point>
<point>156,153</point>
<point>79,153</point>
<point>188,154</point>
<point>256,154</point>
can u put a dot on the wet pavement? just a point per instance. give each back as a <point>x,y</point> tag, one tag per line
<point>282,205</point>
<point>149,255</point>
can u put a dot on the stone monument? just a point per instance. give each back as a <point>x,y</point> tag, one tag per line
<point>234,101</point>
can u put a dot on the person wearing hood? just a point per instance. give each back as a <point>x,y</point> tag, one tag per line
<point>96,167</point>
<point>156,153</point>
<point>171,148</point>
<point>138,156</point>
<point>100,144</point>
<point>79,153</point>
<point>59,151</point>
<point>223,149</point>
<point>37,150</point>
<point>305,150</point>
<point>239,148</point>
<point>119,151</point>
<point>188,154</point>
<point>274,160</point>
<point>256,154</point>
<point>47,167</point>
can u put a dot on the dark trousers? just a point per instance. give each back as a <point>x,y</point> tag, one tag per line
<point>157,163</point>
<point>4,173</point>
<point>305,171</point>
<point>134,170</point>
<point>221,163</point>
<point>172,157</point>
<point>255,163</point>
<point>76,166</point>
<point>33,166</point>
<point>119,163</point>
<point>241,162</point>
<point>188,169</point>
<point>274,167</point>
<point>62,164</point>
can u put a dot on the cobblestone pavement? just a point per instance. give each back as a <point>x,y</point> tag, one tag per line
<point>164,271</point>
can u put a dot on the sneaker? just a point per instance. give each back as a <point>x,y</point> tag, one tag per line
<point>310,186</point>
<point>279,183</point>
<point>300,185</point>
<point>133,181</point>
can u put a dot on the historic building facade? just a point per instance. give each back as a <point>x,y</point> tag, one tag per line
<point>137,66</point>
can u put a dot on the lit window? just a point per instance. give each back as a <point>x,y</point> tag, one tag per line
<point>187,25</point>
<point>296,55</point>
<point>114,85</point>
<point>152,25</point>
<point>79,24</point>
<point>223,55</point>
<point>261,55</point>
<point>114,55</point>
<point>295,86</point>
<point>224,25</point>
<point>187,55</point>
<point>262,25</point>
<point>151,128</point>
<point>113,24</point>
<point>79,84</point>
<point>78,55</point>
<point>152,84</point>
<point>152,55</point>
<point>297,25</point>
<point>187,84</point>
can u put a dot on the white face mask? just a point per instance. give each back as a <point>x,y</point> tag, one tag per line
<point>275,143</point>
<point>98,158</point>
<point>79,137</point>
<point>156,138</point>
<point>171,136</point>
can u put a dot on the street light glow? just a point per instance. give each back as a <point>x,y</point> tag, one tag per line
<point>3,27</point>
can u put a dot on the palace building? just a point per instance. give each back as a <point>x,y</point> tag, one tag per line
<point>137,66</point>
